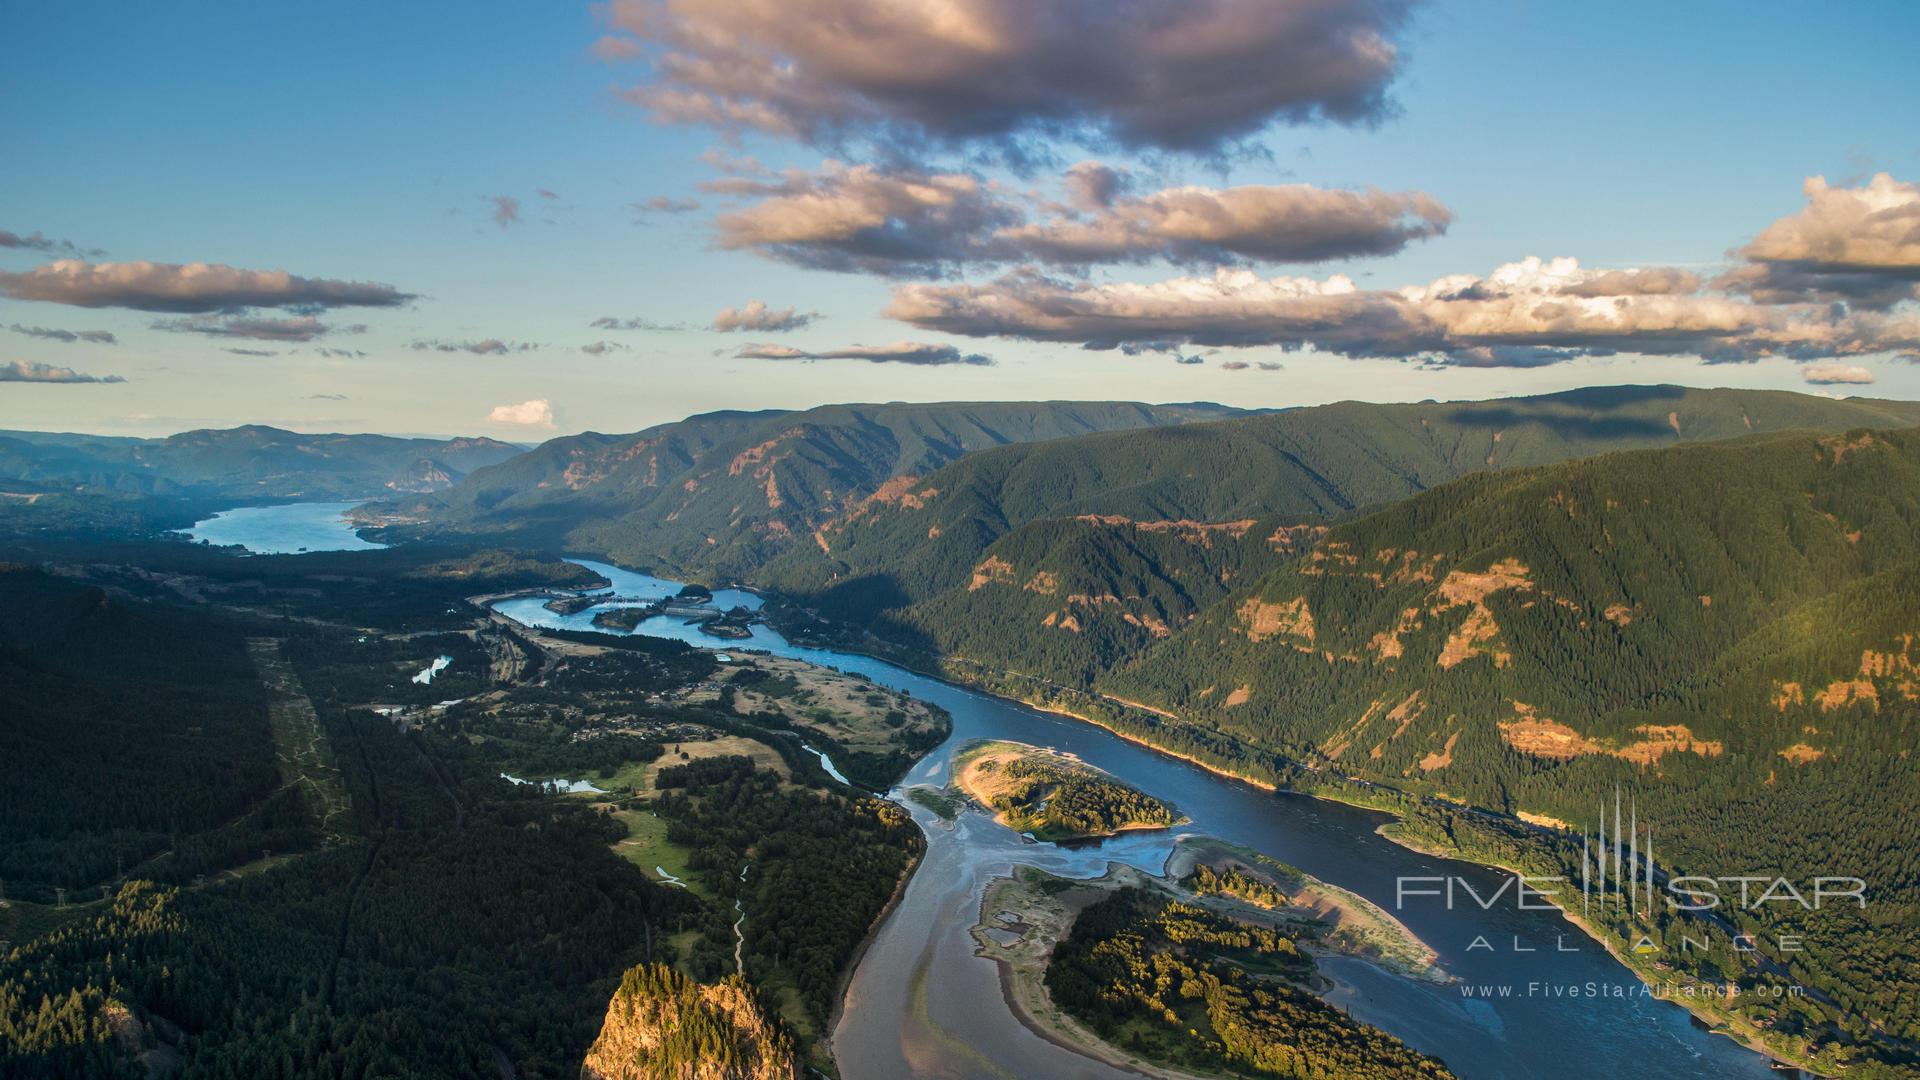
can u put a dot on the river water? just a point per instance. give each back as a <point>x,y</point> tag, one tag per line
<point>284,530</point>
<point>921,1003</point>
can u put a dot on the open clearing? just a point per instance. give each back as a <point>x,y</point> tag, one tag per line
<point>850,710</point>
<point>299,746</point>
<point>640,776</point>
<point>647,847</point>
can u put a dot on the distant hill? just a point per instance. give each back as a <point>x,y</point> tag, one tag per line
<point>968,559</point>
<point>720,494</point>
<point>245,462</point>
<point>1608,606</point>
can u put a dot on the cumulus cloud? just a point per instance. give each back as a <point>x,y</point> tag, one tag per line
<point>92,337</point>
<point>1860,245</point>
<point>537,412</point>
<point>1830,374</point>
<point>253,352</point>
<point>506,210</point>
<point>193,288</point>
<point>756,315</point>
<point>482,347</point>
<point>1522,314</point>
<point>546,194</point>
<point>896,221</point>
<point>1145,74</point>
<point>289,328</point>
<point>30,372</point>
<point>600,348</point>
<point>1092,185</point>
<point>919,353</point>
<point>862,218</point>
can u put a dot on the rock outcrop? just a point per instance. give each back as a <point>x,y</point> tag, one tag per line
<point>662,1025</point>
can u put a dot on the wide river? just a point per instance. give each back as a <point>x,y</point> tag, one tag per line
<point>1534,997</point>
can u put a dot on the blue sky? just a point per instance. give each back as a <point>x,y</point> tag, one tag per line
<point>362,142</point>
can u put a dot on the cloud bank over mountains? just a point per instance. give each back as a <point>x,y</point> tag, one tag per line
<point>1822,283</point>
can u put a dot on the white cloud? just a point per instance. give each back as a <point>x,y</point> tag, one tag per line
<point>537,412</point>
<point>1522,314</point>
<point>34,372</point>
<point>1828,374</point>
<point>756,315</point>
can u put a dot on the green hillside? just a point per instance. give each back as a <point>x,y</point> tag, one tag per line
<point>718,495</point>
<point>944,562</point>
<point>1726,629</point>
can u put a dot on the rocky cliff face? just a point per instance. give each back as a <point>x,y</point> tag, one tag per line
<point>422,477</point>
<point>662,1025</point>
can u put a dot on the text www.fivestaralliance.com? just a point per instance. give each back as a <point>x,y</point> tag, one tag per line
<point>1624,990</point>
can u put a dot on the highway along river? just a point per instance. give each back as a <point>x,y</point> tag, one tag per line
<point>921,1003</point>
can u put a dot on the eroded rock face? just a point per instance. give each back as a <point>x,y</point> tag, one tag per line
<point>662,1025</point>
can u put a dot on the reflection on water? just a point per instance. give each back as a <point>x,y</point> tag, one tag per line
<point>283,530</point>
<point>921,1003</point>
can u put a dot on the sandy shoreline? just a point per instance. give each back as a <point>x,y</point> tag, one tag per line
<point>1041,919</point>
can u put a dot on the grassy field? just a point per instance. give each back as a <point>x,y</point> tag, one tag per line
<point>854,712</point>
<point>300,747</point>
<point>764,756</point>
<point>646,846</point>
<point>20,922</point>
<point>638,776</point>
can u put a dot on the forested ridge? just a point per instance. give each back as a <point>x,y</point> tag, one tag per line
<point>717,495</point>
<point>931,536</point>
<point>373,898</point>
<point>1725,631</point>
<point>77,810</point>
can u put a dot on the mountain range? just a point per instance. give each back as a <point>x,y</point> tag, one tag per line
<point>250,462</point>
